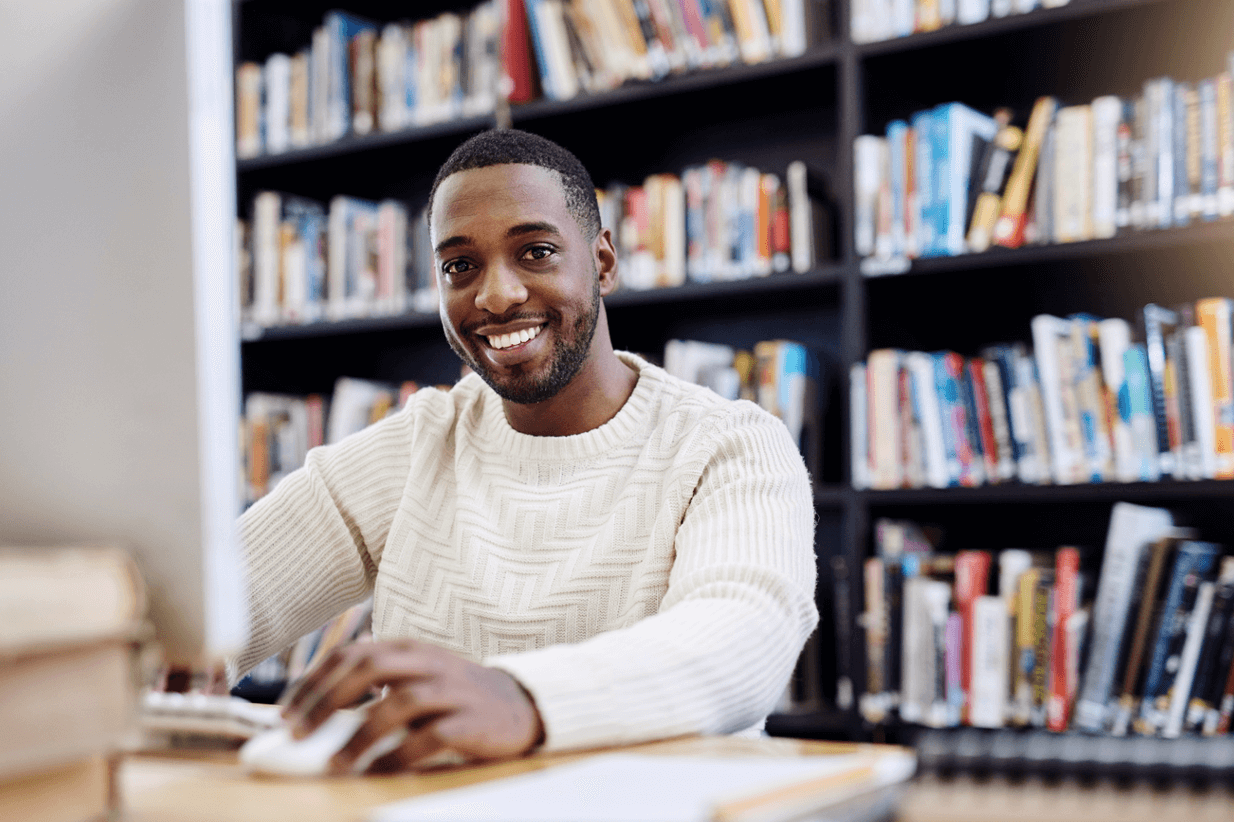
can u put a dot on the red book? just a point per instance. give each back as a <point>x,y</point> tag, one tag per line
<point>985,423</point>
<point>1066,601</point>
<point>517,72</point>
<point>972,575</point>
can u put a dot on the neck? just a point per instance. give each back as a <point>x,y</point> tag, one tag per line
<point>595,395</point>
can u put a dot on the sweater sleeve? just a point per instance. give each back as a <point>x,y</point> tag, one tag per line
<point>311,547</point>
<point>738,609</point>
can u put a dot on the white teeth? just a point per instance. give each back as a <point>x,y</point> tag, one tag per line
<point>514,338</point>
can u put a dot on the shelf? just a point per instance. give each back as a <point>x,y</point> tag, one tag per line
<point>832,495</point>
<point>788,283</point>
<point>1015,493</point>
<point>635,91</point>
<point>1076,9</point>
<point>829,723</point>
<point>354,145</point>
<point>1165,239</point>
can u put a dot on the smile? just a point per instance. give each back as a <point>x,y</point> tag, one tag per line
<point>514,338</point>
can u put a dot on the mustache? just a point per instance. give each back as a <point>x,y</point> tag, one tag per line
<point>550,316</point>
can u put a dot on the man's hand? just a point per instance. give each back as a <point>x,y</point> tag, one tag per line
<point>443,700</point>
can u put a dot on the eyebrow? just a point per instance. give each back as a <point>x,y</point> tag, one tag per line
<point>513,231</point>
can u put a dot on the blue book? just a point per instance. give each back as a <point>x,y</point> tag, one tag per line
<point>540,46</point>
<point>341,27</point>
<point>921,213</point>
<point>1182,180</point>
<point>1194,563</point>
<point>960,135</point>
<point>897,144</point>
<point>1135,405</point>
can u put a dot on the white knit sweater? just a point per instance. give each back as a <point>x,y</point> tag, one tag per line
<point>651,577</point>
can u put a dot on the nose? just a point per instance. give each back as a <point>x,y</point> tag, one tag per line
<point>500,289</point>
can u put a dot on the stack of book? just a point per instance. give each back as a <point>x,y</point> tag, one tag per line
<point>357,77</point>
<point>718,221</point>
<point>71,619</point>
<point>1032,639</point>
<point>873,20</point>
<point>302,261</point>
<point>951,180</point>
<point>1085,404</point>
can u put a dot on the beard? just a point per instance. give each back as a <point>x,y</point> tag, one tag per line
<point>567,357</point>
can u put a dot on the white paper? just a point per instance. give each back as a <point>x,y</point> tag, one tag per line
<point>633,788</point>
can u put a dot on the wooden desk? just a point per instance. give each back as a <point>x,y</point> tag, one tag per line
<point>213,788</point>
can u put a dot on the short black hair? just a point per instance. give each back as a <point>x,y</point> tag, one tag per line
<point>508,145</point>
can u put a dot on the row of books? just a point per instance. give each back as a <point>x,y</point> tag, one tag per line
<point>952,180</point>
<point>781,376</point>
<point>303,261</point>
<point>278,430</point>
<point>1084,404</point>
<point>874,20</point>
<point>358,77</point>
<point>717,221</point>
<point>586,46</point>
<point>1019,638</point>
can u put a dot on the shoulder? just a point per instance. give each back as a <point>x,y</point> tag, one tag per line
<point>699,418</point>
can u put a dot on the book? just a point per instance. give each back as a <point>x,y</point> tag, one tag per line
<point>1152,593</point>
<point>991,185</point>
<point>1009,228</point>
<point>960,134</point>
<point>1215,315</point>
<point>1056,366</point>
<point>1214,657</point>
<point>972,571</point>
<point>1200,387</point>
<point>250,137</point>
<point>67,595</point>
<point>1066,602</point>
<point>1072,169</point>
<point>1180,691</point>
<point>1160,322</point>
<point>1193,562</point>
<point>1114,337</point>
<point>859,455</point>
<point>1139,415</point>
<point>991,660</point>
<point>1106,114</point>
<point>1132,529</point>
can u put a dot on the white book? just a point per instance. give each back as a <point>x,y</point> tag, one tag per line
<point>929,416</point>
<point>925,607</point>
<point>903,17</point>
<point>866,172</point>
<point>1115,338</point>
<point>1106,112</point>
<point>1001,8</point>
<point>886,458</point>
<point>267,211</point>
<point>1073,165</point>
<point>1180,692</point>
<point>1051,339</point>
<point>391,78</point>
<point>859,465</point>
<point>991,663</point>
<point>1202,410</point>
<point>1132,529</point>
<point>1024,6</point>
<point>800,218</point>
<point>972,11</point>
<point>277,75</point>
<point>793,29</point>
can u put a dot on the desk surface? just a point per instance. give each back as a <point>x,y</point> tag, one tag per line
<point>200,788</point>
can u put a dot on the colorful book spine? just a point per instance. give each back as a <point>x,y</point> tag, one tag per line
<point>1066,602</point>
<point>1215,315</point>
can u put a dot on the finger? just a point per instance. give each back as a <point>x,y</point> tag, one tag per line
<point>294,697</point>
<point>397,710</point>
<point>351,674</point>
<point>418,746</point>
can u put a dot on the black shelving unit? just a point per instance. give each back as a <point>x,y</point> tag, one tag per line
<point>811,108</point>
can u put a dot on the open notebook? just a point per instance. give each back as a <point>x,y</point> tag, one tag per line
<point>641,788</point>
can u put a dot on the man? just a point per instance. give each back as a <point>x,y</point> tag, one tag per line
<point>570,548</point>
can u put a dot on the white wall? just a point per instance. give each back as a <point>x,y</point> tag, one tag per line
<point>101,368</point>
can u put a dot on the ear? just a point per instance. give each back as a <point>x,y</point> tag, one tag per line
<point>605,256</point>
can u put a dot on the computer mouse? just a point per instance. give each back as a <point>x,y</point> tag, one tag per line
<point>275,752</point>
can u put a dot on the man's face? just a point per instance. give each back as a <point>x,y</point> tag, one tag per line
<point>520,295</point>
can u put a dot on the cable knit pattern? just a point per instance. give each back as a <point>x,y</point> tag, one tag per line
<point>651,577</point>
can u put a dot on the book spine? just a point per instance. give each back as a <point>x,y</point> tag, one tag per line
<point>1214,315</point>
<point>1050,338</point>
<point>1210,148</point>
<point>1139,410</point>
<point>1025,648</point>
<point>1225,144</point>
<point>1180,694</point>
<point>1066,602</point>
<point>873,702</point>
<point>1192,562</point>
<point>859,437</point>
<point>1199,382</point>
<point>990,663</point>
<point>1131,528</point>
<point>1180,124</point>
<point>1126,163</point>
<point>1106,112</point>
<point>1151,602</point>
<point>953,656</point>
<point>1042,633</point>
<point>1206,687</point>
<point>1073,167</point>
<point>972,571</point>
<point>921,211</point>
<point>841,581</point>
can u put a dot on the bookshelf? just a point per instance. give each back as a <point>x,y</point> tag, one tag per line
<point>811,107</point>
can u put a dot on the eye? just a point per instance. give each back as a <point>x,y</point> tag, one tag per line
<point>539,252</point>
<point>452,269</point>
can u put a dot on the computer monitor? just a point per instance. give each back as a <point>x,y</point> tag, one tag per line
<point>119,360</point>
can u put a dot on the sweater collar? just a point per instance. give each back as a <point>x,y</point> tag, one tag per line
<point>629,419</point>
